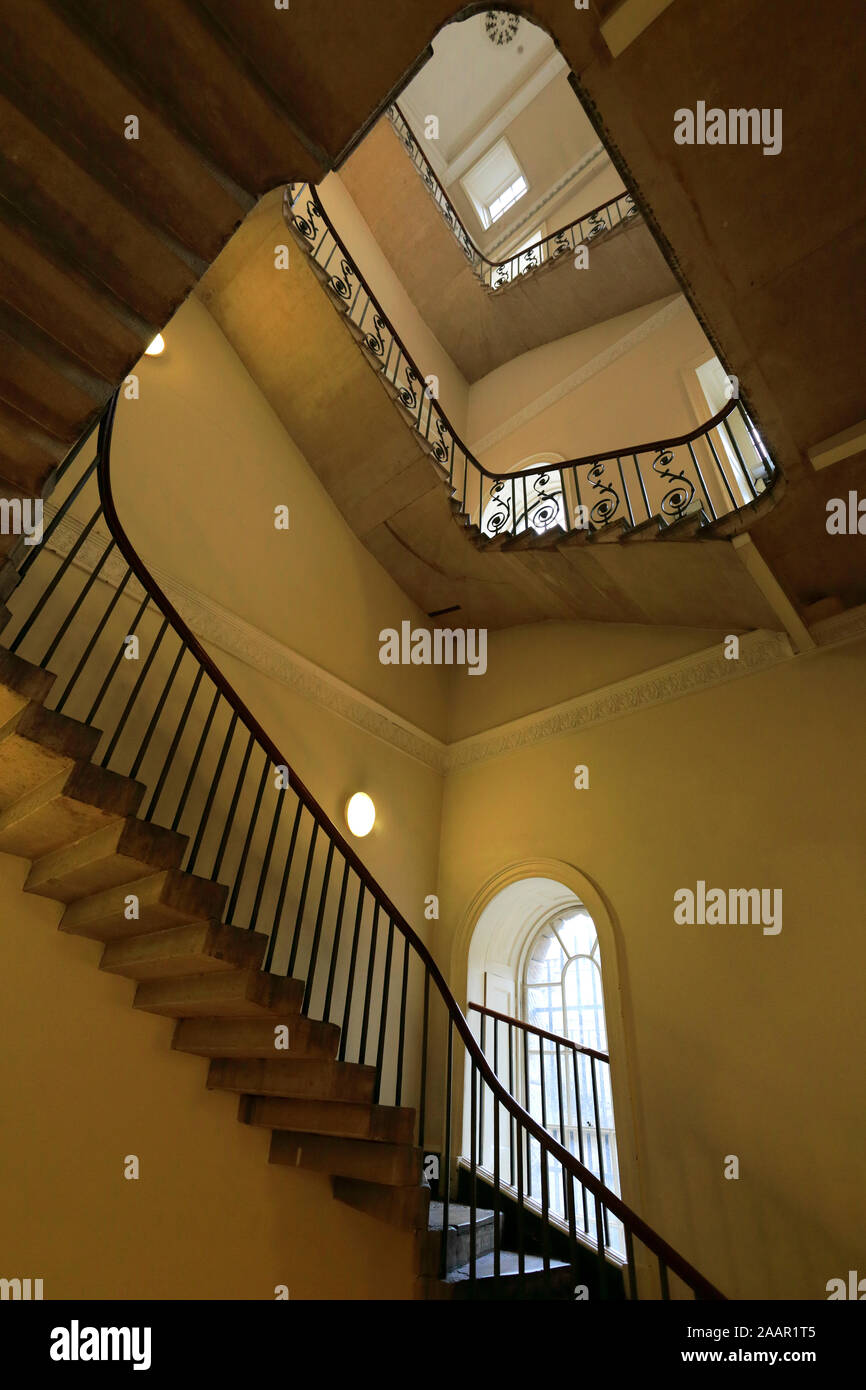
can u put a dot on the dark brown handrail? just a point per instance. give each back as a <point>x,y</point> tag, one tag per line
<point>540,1032</point>
<point>670,442</point>
<point>614,1204</point>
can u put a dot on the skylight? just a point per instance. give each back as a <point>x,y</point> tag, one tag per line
<point>495,183</point>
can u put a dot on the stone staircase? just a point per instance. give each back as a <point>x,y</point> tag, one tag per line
<point>120,880</point>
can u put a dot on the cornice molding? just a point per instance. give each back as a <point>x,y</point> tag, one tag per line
<point>849,626</point>
<point>577,378</point>
<point>690,674</point>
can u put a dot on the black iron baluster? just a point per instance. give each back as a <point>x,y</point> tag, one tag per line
<point>134,694</point>
<point>383,1012</point>
<point>561,1115</point>
<point>53,524</point>
<point>335,944</point>
<point>521,1258</point>
<point>215,781</point>
<point>398,1085</point>
<point>95,636</point>
<point>116,662</point>
<point>368,987</point>
<point>704,488</point>
<point>473,1167</point>
<point>445,1174</point>
<point>481,1114</point>
<point>350,985</point>
<point>242,863</point>
<point>422,1097</point>
<point>598,1140</point>
<point>73,611</point>
<point>578,1109</point>
<point>194,763</point>
<point>284,883</point>
<point>512,1122</point>
<point>266,861</point>
<point>317,931</point>
<point>302,901</point>
<point>735,446</point>
<point>646,501</point>
<point>157,711</point>
<point>178,735</point>
<point>529,1108</point>
<point>230,817</point>
<point>496,1178</point>
<point>632,1274</point>
<point>663,1276</point>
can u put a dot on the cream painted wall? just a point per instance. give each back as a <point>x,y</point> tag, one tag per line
<point>533,667</point>
<point>639,396</point>
<point>200,462</point>
<point>744,1044</point>
<point>86,1081</point>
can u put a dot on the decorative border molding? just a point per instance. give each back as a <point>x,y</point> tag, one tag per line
<point>660,319</point>
<point>215,625</point>
<point>758,651</point>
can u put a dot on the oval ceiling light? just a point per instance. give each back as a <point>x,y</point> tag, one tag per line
<point>360,814</point>
<point>156,347</point>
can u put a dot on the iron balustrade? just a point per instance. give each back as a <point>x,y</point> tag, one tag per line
<point>564,1084</point>
<point>211,774</point>
<point>718,468</point>
<point>496,275</point>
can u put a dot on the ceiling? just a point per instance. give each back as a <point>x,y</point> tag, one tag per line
<point>469,81</point>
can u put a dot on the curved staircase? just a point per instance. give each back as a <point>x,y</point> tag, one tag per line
<point>281,960</point>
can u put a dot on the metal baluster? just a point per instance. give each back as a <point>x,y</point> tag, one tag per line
<point>116,662</point>
<point>422,1098</point>
<point>646,501</point>
<point>663,1276</point>
<point>350,984</point>
<point>598,1142</point>
<point>239,873</point>
<point>60,515</point>
<point>317,931</point>
<point>178,735</point>
<point>747,472</point>
<point>73,611</point>
<point>368,988</point>
<point>496,1180</point>
<point>229,820</point>
<point>383,1012</point>
<point>473,1166</point>
<point>445,1174</point>
<point>335,945</point>
<point>632,1274</point>
<point>134,694</point>
<point>215,780</point>
<point>398,1085</point>
<point>512,1123</point>
<point>481,1115</point>
<point>158,708</point>
<point>561,1116</point>
<point>302,902</point>
<point>706,490</point>
<point>194,764</point>
<point>284,883</point>
<point>574,1058</point>
<point>97,633</point>
<point>266,861</point>
<point>526,1093</point>
<point>521,1260</point>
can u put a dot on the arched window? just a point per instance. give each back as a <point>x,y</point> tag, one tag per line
<point>569,1087</point>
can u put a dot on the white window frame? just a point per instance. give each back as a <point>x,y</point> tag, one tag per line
<point>483,204</point>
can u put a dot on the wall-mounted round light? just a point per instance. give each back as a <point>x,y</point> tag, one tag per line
<point>360,814</point>
<point>156,347</point>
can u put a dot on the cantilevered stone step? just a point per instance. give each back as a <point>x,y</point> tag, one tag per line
<point>404,1207</point>
<point>171,898</point>
<point>20,682</point>
<point>459,1235</point>
<point>67,808</point>
<point>533,1284</point>
<point>393,1165</point>
<point>297,1079</point>
<point>190,950</point>
<point>36,744</point>
<point>119,854</point>
<point>235,993</point>
<point>256,1037</point>
<point>389,1124</point>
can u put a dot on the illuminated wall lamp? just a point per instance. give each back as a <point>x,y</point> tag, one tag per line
<point>360,814</point>
<point>156,347</point>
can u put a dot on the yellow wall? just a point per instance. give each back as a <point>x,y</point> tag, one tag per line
<point>86,1081</point>
<point>744,1044</point>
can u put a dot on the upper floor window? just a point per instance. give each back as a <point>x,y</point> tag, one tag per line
<point>495,183</point>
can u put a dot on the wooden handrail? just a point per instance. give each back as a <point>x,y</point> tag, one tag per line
<point>612,1203</point>
<point>540,1032</point>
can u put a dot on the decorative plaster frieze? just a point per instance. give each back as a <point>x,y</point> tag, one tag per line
<point>849,626</point>
<point>758,650</point>
<point>577,378</point>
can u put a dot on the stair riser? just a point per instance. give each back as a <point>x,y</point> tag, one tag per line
<point>164,901</point>
<point>112,858</point>
<point>183,951</point>
<point>297,1080</point>
<point>236,994</point>
<point>392,1165</point>
<point>340,1121</point>
<point>256,1038</point>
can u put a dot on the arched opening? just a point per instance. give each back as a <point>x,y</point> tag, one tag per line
<point>539,949</point>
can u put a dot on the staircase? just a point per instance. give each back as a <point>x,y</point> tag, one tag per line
<point>237,909</point>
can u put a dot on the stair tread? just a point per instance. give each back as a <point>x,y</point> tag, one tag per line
<point>459,1216</point>
<point>509,1266</point>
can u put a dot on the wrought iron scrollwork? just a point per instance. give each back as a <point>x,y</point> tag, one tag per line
<point>560,246</point>
<point>545,510</point>
<point>340,283</point>
<point>498,509</point>
<point>375,341</point>
<point>631,207</point>
<point>607,506</point>
<point>678,498</point>
<point>597,225</point>
<point>307,226</point>
<point>406,391</point>
<point>440,448</point>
